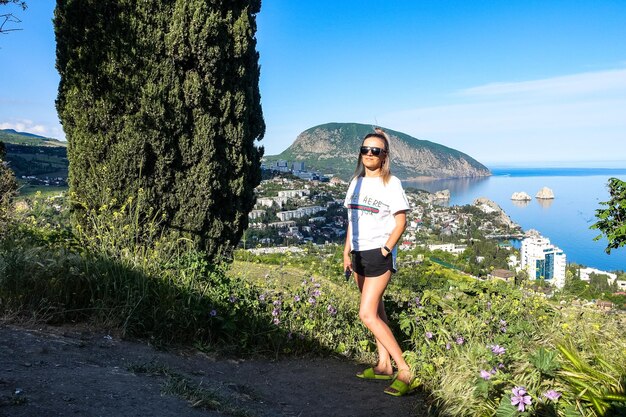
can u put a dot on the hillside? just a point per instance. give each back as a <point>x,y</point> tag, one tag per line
<point>332,149</point>
<point>10,136</point>
<point>31,155</point>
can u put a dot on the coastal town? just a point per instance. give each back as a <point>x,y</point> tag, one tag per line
<point>296,207</point>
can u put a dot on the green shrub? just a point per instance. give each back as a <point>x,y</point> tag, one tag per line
<point>8,188</point>
<point>159,289</point>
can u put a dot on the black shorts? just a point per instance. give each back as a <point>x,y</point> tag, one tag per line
<point>371,263</point>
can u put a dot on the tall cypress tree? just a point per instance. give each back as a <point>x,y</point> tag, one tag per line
<point>163,96</point>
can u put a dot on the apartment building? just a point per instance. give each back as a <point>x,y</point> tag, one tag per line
<point>541,259</point>
<point>299,213</point>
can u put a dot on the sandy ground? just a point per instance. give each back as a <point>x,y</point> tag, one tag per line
<point>68,371</point>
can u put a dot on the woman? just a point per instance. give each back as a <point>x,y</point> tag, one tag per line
<point>377,208</point>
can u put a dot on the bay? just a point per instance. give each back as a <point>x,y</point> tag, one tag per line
<point>565,220</point>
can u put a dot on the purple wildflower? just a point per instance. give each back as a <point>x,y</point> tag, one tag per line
<point>502,322</point>
<point>488,304</point>
<point>276,321</point>
<point>232,298</point>
<point>331,310</point>
<point>296,298</point>
<point>503,329</point>
<point>552,395</point>
<point>484,374</point>
<point>448,346</point>
<point>497,349</point>
<point>316,293</point>
<point>311,300</point>
<point>213,313</point>
<point>317,285</point>
<point>500,365</point>
<point>429,335</point>
<point>276,312</point>
<point>277,303</point>
<point>262,297</point>
<point>520,399</point>
<point>460,340</point>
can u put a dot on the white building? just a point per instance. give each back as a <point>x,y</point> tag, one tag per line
<point>293,193</point>
<point>255,214</point>
<point>298,166</point>
<point>269,201</point>
<point>612,278</point>
<point>288,215</point>
<point>585,272</point>
<point>448,247</point>
<point>513,263</point>
<point>282,225</point>
<point>298,213</point>
<point>541,259</point>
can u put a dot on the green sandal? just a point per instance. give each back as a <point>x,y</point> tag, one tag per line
<point>369,373</point>
<point>400,388</point>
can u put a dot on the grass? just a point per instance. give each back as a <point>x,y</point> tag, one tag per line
<point>187,389</point>
<point>284,277</point>
<point>470,342</point>
<point>27,190</point>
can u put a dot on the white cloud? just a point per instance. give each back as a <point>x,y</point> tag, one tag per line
<point>606,82</point>
<point>569,117</point>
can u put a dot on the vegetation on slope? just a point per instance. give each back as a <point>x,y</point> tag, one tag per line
<point>476,347</point>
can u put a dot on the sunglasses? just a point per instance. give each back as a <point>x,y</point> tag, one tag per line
<point>375,151</point>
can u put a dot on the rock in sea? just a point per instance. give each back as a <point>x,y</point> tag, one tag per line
<point>545,194</point>
<point>521,196</point>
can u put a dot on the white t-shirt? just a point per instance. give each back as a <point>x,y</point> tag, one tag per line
<point>371,205</point>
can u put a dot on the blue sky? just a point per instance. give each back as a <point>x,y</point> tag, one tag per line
<point>517,82</point>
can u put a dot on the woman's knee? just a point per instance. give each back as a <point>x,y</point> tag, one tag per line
<point>367,316</point>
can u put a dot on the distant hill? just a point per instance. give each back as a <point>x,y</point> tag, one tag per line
<point>332,149</point>
<point>28,139</point>
<point>33,155</point>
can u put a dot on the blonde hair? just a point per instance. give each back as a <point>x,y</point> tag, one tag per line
<point>385,169</point>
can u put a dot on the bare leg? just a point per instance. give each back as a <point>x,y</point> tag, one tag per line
<point>371,296</point>
<point>384,365</point>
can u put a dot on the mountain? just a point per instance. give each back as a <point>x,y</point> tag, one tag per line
<point>28,139</point>
<point>31,155</point>
<point>332,148</point>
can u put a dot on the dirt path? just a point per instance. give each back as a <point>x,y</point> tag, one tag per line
<point>48,371</point>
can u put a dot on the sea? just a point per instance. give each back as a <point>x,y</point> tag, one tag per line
<point>565,220</point>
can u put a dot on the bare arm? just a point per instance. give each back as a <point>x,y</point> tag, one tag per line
<point>347,260</point>
<point>396,233</point>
